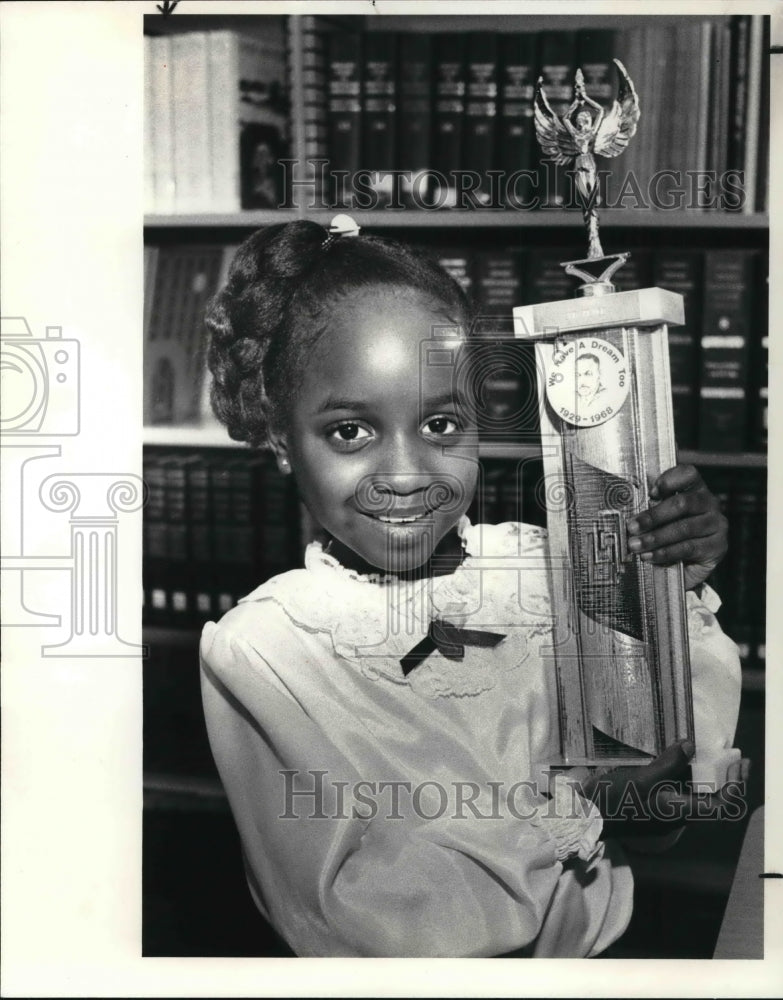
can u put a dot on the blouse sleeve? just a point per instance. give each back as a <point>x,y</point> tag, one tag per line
<point>716,677</point>
<point>340,882</point>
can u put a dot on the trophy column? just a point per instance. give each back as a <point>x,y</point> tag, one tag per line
<point>621,649</point>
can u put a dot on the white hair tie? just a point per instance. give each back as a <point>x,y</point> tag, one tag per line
<point>341,225</point>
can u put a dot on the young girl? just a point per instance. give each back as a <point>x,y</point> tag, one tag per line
<point>382,718</point>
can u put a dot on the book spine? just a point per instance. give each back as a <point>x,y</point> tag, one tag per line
<point>449,109</point>
<point>762,166</point>
<point>746,578</point>
<point>753,111</point>
<point>719,106</point>
<point>191,138</point>
<point>174,352</point>
<point>150,270</point>
<point>380,105</point>
<point>245,528</point>
<point>281,542</point>
<point>681,272</point>
<point>155,543</point>
<point>225,595</point>
<point>414,117</point>
<point>263,108</point>
<point>545,279</point>
<point>481,105</point>
<point>516,137</point>
<point>556,56</point>
<point>149,166</point>
<point>760,403</point>
<point>344,89</point>
<point>724,349</point>
<point>705,196</point>
<point>223,119</point>
<point>738,92</point>
<point>201,583</point>
<point>177,521</point>
<point>307,62</point>
<point>162,125</point>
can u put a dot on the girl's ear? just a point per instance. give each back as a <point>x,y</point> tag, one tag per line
<point>280,449</point>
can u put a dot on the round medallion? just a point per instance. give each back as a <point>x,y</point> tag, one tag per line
<point>587,381</point>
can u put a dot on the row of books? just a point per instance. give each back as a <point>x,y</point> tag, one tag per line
<point>511,491</point>
<point>718,358</point>
<point>216,525</point>
<point>216,120</point>
<point>438,103</point>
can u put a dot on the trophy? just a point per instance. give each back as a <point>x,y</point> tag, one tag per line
<point>621,637</point>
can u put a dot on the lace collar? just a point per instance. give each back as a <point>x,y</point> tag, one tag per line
<point>317,558</point>
<point>373,620</point>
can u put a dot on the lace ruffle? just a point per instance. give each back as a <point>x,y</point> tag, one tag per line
<point>388,615</point>
<point>573,822</point>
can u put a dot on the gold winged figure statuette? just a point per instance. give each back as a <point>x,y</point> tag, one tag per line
<point>579,134</point>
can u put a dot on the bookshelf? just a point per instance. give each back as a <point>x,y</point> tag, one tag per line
<point>306,36</point>
<point>175,647</point>
<point>457,218</point>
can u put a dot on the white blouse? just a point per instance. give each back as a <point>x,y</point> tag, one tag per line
<point>385,814</point>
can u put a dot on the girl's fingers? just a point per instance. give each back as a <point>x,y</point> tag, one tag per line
<point>680,478</point>
<point>674,508</point>
<point>696,530</point>
<point>691,552</point>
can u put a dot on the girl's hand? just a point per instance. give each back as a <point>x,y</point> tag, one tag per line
<point>686,525</point>
<point>652,799</point>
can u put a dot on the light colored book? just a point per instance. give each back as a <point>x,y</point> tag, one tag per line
<point>161,128</point>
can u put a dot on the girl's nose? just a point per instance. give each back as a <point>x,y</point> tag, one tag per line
<point>409,477</point>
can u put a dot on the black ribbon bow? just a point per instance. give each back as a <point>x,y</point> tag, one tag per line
<point>450,640</point>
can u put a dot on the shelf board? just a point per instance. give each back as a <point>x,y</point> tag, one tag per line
<point>171,635</point>
<point>623,218</point>
<point>216,220</point>
<point>502,449</point>
<point>206,435</point>
<point>182,792</point>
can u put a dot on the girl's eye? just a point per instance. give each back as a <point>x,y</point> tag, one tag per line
<point>440,426</point>
<point>348,433</point>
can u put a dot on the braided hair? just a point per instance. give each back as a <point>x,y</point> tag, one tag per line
<point>276,303</point>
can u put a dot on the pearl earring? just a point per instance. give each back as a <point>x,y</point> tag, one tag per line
<point>285,465</point>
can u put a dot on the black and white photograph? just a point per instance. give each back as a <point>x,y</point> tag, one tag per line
<point>386,503</point>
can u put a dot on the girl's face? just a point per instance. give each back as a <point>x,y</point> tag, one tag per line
<point>383,457</point>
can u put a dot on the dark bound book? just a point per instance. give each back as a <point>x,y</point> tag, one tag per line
<point>681,271</point>
<point>414,114</point>
<point>344,112</point>
<point>449,109</point>
<point>516,138</point>
<point>380,104</point>
<point>726,326</point>
<point>481,105</point>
